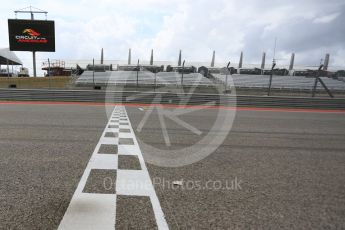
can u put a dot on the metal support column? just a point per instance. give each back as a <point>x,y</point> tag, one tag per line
<point>137,74</point>
<point>318,79</point>
<point>33,53</point>
<point>226,77</point>
<point>182,73</point>
<point>7,68</point>
<point>93,72</point>
<point>314,87</point>
<point>325,87</point>
<point>49,73</point>
<point>34,63</point>
<point>154,89</point>
<point>271,76</point>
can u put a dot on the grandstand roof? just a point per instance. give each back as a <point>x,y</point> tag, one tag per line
<point>9,57</point>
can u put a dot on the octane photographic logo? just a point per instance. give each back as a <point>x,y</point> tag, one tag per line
<point>30,36</point>
<point>169,109</point>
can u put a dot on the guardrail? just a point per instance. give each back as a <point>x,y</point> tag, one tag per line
<point>168,98</point>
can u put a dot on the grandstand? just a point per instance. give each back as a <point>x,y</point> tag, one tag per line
<point>142,78</point>
<point>147,78</point>
<point>204,76</point>
<point>279,82</point>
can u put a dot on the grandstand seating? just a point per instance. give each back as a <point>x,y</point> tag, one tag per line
<point>174,78</point>
<point>279,82</point>
<point>144,78</point>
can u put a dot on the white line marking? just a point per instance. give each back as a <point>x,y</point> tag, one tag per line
<point>104,161</point>
<point>91,211</point>
<point>109,141</point>
<point>164,128</point>
<point>98,211</point>
<point>129,175</point>
<point>128,150</point>
<point>125,135</point>
<point>143,121</point>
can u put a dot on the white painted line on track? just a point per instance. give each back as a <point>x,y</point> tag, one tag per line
<point>157,209</point>
<point>98,211</point>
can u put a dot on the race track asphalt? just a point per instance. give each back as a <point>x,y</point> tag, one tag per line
<point>274,169</point>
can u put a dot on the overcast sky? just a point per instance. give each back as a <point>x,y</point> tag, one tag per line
<point>310,28</point>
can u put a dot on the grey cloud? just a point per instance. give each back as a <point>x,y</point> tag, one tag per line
<point>198,27</point>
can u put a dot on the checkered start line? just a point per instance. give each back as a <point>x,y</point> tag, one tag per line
<point>116,169</point>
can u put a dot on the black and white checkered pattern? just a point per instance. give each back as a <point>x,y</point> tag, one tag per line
<point>116,167</point>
